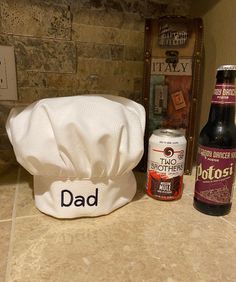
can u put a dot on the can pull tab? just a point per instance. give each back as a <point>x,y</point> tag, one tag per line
<point>172,57</point>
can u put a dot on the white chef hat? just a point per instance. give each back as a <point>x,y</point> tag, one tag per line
<point>81,151</point>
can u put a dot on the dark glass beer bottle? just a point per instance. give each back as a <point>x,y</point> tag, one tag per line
<point>217,148</point>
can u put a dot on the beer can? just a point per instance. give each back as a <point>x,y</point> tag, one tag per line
<point>165,169</point>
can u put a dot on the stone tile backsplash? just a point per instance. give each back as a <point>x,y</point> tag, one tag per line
<point>42,55</point>
<point>35,18</point>
<point>73,47</point>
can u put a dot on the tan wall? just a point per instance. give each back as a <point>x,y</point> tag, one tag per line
<point>219,19</point>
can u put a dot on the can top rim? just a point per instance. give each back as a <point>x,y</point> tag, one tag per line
<point>168,132</point>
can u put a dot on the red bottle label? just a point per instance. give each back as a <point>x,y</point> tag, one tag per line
<point>215,175</point>
<point>224,94</point>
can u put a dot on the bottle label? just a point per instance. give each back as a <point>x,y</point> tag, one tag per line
<point>215,175</point>
<point>224,94</point>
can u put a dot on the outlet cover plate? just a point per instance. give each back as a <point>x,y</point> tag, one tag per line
<point>8,86</point>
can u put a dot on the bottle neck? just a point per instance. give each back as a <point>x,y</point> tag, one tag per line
<point>222,113</point>
<point>223,102</point>
<point>223,98</point>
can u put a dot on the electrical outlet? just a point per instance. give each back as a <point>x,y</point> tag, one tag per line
<point>8,87</point>
<point>3,75</point>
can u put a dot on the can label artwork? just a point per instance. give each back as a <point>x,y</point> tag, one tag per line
<point>166,157</point>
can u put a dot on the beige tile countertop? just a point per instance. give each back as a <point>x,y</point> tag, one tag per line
<point>146,240</point>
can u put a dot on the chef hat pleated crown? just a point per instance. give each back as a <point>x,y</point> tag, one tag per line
<point>81,151</point>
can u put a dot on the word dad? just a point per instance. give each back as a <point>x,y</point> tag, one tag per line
<point>68,199</point>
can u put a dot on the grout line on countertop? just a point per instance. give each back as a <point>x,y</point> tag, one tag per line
<point>5,220</point>
<point>230,223</point>
<point>29,216</point>
<point>10,250</point>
